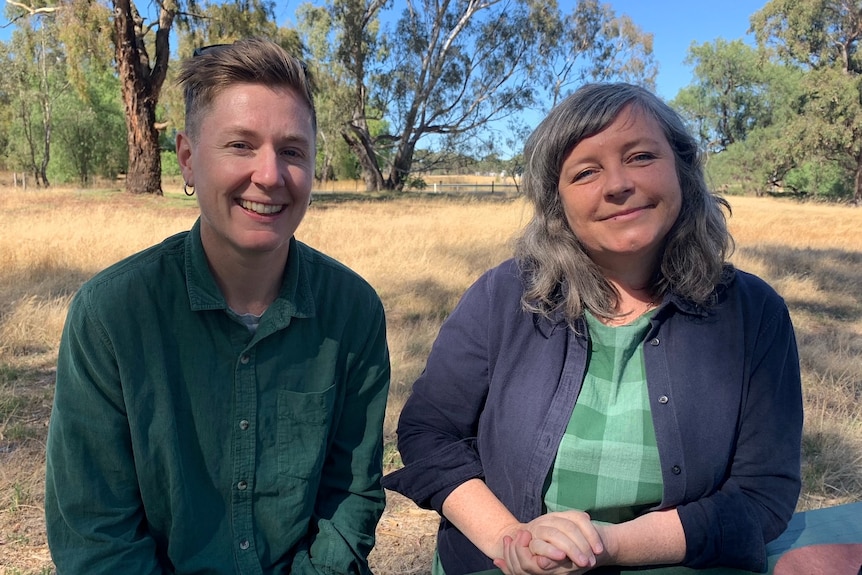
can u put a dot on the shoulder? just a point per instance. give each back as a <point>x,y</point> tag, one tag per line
<point>149,269</point>
<point>328,276</point>
<point>504,281</point>
<point>750,290</point>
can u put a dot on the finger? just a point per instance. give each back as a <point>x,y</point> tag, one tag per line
<point>547,539</point>
<point>518,553</point>
<point>587,528</point>
<point>503,564</point>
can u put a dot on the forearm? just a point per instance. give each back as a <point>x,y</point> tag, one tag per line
<point>481,516</point>
<point>655,538</point>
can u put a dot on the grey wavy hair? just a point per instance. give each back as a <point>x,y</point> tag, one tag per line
<point>248,61</point>
<point>560,277</point>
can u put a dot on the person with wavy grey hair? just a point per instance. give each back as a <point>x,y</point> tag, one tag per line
<point>220,396</point>
<point>617,394</point>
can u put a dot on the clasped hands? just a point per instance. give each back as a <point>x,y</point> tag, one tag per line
<point>565,542</point>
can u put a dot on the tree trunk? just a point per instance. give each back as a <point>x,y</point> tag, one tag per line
<point>364,150</point>
<point>140,89</point>
<point>857,196</point>
<point>401,167</point>
<point>145,163</point>
<point>46,126</point>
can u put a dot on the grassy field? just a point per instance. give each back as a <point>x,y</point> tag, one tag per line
<point>420,253</point>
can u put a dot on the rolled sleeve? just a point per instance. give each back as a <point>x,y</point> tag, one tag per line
<point>438,425</point>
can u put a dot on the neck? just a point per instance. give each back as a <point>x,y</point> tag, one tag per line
<point>249,285</point>
<point>635,293</point>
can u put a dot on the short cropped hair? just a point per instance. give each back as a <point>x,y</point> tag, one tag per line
<point>560,276</point>
<point>250,61</point>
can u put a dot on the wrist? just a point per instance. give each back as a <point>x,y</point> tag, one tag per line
<point>507,530</point>
<point>610,541</point>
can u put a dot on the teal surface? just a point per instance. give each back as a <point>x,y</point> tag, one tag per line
<point>840,524</point>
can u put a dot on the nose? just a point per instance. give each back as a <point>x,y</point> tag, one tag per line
<point>617,181</point>
<point>268,171</point>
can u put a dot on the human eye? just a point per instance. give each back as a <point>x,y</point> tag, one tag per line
<point>584,174</point>
<point>642,157</point>
<point>239,146</point>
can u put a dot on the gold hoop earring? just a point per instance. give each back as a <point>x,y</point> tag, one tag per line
<point>186,190</point>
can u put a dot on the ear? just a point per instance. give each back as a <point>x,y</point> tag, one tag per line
<point>184,157</point>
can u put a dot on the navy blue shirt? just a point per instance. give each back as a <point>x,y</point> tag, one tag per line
<point>724,385</point>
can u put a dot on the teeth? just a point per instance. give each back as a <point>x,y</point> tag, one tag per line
<point>261,208</point>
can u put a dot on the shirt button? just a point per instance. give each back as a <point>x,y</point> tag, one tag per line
<point>663,399</point>
<point>244,544</point>
<point>654,342</point>
<point>676,470</point>
<point>242,485</point>
<point>243,424</point>
<point>243,359</point>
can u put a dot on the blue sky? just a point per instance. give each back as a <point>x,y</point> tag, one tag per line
<point>675,24</point>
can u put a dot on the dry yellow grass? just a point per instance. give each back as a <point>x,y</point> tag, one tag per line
<point>420,254</point>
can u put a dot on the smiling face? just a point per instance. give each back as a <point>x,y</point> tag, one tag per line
<point>620,191</point>
<point>251,163</point>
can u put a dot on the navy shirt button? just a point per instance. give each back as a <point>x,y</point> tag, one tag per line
<point>676,470</point>
<point>244,544</point>
<point>242,485</point>
<point>654,341</point>
<point>243,359</point>
<point>243,424</point>
<point>663,399</point>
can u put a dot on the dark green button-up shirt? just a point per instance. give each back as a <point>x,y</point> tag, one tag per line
<point>181,443</point>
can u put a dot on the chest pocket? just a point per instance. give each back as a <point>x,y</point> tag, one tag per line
<point>303,425</point>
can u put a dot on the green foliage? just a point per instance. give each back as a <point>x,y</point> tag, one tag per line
<point>170,166</point>
<point>819,178</point>
<point>90,133</point>
<point>787,117</point>
<point>812,34</point>
<point>725,103</point>
<point>226,22</point>
<point>416,183</point>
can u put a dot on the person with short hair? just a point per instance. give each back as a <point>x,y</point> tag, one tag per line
<point>617,394</point>
<point>220,396</point>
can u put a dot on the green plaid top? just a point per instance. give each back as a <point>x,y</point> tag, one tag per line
<point>607,463</point>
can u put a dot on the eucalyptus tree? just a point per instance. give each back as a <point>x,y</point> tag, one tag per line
<point>727,99</point>
<point>821,38</point>
<point>446,71</point>
<point>135,42</point>
<point>33,78</point>
<point>90,131</point>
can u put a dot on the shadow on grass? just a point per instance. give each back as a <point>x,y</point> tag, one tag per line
<point>831,270</point>
<point>831,470</point>
<point>831,353</point>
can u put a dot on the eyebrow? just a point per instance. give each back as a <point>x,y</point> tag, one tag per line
<point>241,132</point>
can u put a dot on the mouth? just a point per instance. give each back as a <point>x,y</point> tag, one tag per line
<point>624,213</point>
<point>262,209</point>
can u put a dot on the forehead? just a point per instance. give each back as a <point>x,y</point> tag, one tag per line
<point>258,106</point>
<point>632,122</point>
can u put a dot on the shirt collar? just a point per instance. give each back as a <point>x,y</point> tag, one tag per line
<point>295,298</point>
